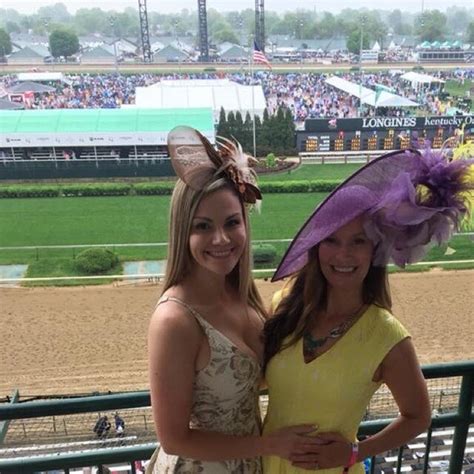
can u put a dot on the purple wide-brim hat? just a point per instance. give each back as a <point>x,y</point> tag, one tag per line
<point>411,198</point>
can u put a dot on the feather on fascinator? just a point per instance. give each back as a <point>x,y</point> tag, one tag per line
<point>411,199</point>
<point>197,162</point>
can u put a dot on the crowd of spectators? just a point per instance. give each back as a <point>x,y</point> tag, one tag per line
<point>306,94</point>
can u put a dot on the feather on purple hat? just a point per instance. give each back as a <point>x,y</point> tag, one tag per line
<point>412,199</point>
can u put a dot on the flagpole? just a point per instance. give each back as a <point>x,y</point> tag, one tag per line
<point>251,63</point>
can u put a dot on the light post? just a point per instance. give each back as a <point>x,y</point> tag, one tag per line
<point>240,26</point>
<point>362,24</point>
<point>112,24</point>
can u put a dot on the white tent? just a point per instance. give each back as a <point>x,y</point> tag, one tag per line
<point>213,93</point>
<point>392,45</point>
<point>368,96</point>
<point>416,78</point>
<point>42,76</point>
<point>376,46</point>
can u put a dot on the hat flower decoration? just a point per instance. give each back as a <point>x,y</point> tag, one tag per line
<point>196,162</point>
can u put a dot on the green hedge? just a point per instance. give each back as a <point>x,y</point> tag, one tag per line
<point>156,189</point>
<point>162,188</point>
<point>103,189</point>
<point>94,261</point>
<point>29,191</point>
<point>298,186</point>
<point>263,253</point>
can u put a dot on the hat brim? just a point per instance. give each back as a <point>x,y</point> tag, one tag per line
<point>353,197</point>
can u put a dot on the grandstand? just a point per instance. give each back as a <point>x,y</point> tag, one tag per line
<point>85,143</point>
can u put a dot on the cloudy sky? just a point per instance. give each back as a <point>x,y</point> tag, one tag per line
<point>168,6</point>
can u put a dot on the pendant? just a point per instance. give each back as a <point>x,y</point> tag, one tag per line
<point>310,344</point>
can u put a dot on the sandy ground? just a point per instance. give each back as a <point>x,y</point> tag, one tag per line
<point>79,340</point>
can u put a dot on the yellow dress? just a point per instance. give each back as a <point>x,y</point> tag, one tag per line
<point>332,391</point>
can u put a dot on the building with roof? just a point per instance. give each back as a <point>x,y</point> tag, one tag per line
<point>30,55</point>
<point>103,54</point>
<point>170,54</point>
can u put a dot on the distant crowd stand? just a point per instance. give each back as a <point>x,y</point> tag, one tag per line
<point>306,95</point>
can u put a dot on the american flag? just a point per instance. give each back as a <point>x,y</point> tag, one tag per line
<point>259,56</point>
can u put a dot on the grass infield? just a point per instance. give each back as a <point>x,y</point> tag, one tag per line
<point>144,219</point>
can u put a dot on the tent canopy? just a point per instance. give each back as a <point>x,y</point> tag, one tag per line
<point>42,76</point>
<point>415,77</point>
<point>368,96</point>
<point>101,127</point>
<point>9,105</point>
<point>213,93</point>
<point>29,86</point>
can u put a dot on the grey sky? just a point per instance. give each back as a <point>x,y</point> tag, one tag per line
<point>168,6</point>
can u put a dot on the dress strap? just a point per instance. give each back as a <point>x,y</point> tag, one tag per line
<point>199,318</point>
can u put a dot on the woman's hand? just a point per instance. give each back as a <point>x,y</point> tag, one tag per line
<point>333,450</point>
<point>292,441</point>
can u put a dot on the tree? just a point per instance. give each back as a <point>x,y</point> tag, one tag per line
<point>431,26</point>
<point>470,33</point>
<point>353,41</point>
<point>56,13</point>
<point>247,136</point>
<point>395,21</point>
<point>326,28</point>
<point>63,43</point>
<point>225,34</point>
<point>5,43</point>
<point>222,127</point>
<point>91,20</point>
<point>12,27</point>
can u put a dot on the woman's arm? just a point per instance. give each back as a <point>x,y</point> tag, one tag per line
<point>174,343</point>
<point>401,372</point>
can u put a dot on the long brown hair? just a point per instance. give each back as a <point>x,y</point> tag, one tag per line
<point>308,296</point>
<point>184,203</point>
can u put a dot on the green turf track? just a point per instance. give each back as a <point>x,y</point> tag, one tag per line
<point>138,219</point>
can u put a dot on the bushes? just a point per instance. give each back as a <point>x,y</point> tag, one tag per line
<point>160,188</point>
<point>263,253</point>
<point>29,191</point>
<point>95,260</point>
<point>298,186</point>
<point>156,189</point>
<point>102,189</point>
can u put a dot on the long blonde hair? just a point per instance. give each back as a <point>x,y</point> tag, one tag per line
<point>184,203</point>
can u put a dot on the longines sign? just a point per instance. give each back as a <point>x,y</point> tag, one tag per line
<point>385,123</point>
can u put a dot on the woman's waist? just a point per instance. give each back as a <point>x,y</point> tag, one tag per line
<point>243,427</point>
<point>321,424</point>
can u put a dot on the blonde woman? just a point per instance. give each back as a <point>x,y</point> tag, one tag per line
<point>205,349</point>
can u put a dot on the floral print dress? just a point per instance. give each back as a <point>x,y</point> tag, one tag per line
<point>225,399</point>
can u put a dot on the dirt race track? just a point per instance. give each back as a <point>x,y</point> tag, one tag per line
<point>80,340</point>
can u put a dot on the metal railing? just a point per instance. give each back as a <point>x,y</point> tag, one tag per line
<point>459,419</point>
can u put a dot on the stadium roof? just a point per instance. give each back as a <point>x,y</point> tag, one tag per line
<point>368,96</point>
<point>98,127</point>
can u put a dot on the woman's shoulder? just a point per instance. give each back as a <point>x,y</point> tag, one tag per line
<point>172,313</point>
<point>382,323</point>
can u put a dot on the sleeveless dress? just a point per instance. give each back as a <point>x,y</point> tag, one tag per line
<point>333,390</point>
<point>225,399</point>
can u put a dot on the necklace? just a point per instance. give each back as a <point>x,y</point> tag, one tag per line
<point>311,344</point>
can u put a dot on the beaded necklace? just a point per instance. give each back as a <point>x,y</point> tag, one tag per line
<point>311,344</point>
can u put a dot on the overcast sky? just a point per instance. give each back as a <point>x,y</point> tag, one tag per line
<point>169,6</point>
